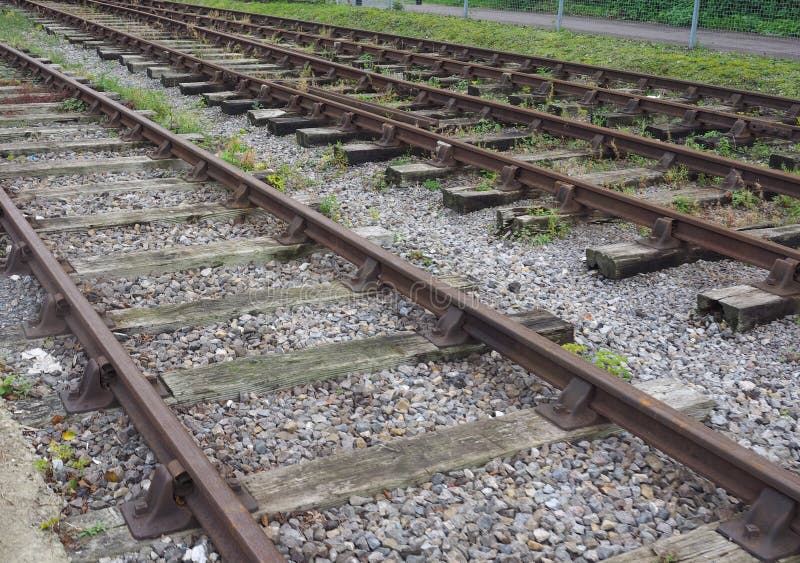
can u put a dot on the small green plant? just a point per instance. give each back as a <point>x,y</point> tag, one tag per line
<point>432,185</point>
<point>605,359</point>
<point>13,386</point>
<point>41,465</point>
<point>240,155</point>
<point>64,452</point>
<point>744,199</point>
<point>374,215</point>
<point>379,182</point>
<point>277,181</point>
<point>334,158</point>
<point>677,176</point>
<point>574,348</point>
<point>80,464</point>
<point>488,181</point>
<point>419,256</point>
<point>51,524</point>
<point>330,207</point>
<point>484,127</point>
<point>790,204</point>
<point>72,104</point>
<point>613,363</point>
<point>92,531</point>
<point>685,204</point>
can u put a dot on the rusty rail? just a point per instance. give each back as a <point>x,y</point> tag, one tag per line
<point>731,466</point>
<point>613,140</point>
<point>497,58</point>
<point>210,499</point>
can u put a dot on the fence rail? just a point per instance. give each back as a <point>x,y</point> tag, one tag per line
<point>779,18</point>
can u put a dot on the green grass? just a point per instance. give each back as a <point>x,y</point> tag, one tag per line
<point>20,32</point>
<point>167,115</point>
<point>775,76</point>
<point>769,17</point>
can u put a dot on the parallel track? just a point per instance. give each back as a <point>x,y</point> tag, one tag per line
<point>686,228</point>
<point>558,68</point>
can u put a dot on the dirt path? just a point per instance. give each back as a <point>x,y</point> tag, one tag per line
<point>25,501</point>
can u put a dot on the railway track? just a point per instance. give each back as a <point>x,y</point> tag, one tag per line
<point>676,238</point>
<point>591,395</point>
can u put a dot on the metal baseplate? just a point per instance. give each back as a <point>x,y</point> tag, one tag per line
<point>571,409</point>
<point>765,530</point>
<point>163,508</point>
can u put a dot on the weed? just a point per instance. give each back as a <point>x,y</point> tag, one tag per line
<point>489,179</point>
<point>165,112</point>
<point>605,359</point>
<point>51,524</point>
<point>80,464</point>
<point>330,207</point>
<point>574,348</point>
<point>72,104</point>
<point>92,531</point>
<point>685,204</point>
<point>613,363</point>
<point>484,127</point>
<point>41,465</point>
<point>64,452</point>
<point>334,158</point>
<point>432,185</point>
<point>241,155</point>
<point>677,176</point>
<point>744,199</point>
<point>374,215</point>
<point>379,182</point>
<point>790,204</point>
<point>419,256</point>
<point>277,181</point>
<point>13,386</point>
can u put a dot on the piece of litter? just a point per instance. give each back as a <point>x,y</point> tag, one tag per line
<point>43,363</point>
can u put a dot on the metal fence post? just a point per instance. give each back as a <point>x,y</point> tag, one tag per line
<point>695,17</point>
<point>466,8</point>
<point>560,15</point>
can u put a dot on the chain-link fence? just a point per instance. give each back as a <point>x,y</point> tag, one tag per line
<point>780,18</point>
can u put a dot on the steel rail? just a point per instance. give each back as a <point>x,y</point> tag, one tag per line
<point>468,52</point>
<point>633,104</point>
<point>619,142</point>
<point>733,244</point>
<point>219,511</point>
<point>733,467</point>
